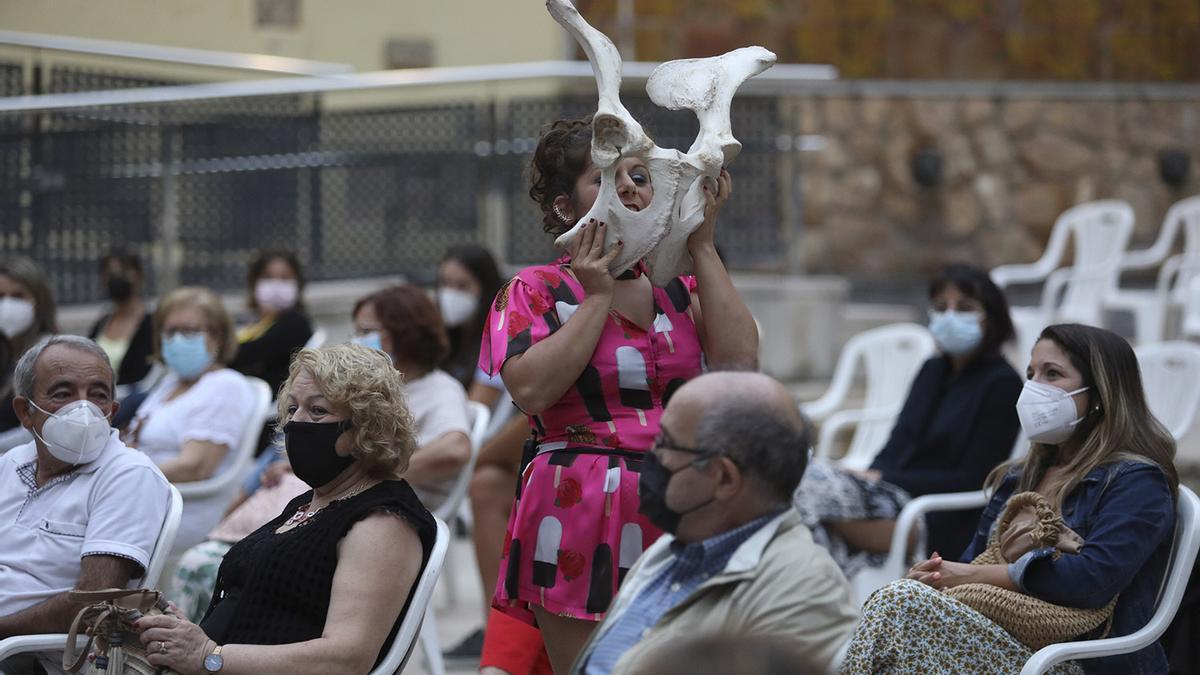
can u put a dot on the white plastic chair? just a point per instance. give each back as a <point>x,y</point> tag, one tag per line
<point>478,416</point>
<point>1100,231</point>
<point>418,620</point>
<point>890,357</point>
<point>54,642</point>
<point>260,412</point>
<point>1149,307</point>
<point>1179,568</point>
<point>1171,379</point>
<point>317,339</point>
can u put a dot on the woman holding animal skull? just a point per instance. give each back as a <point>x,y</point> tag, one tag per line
<point>592,360</point>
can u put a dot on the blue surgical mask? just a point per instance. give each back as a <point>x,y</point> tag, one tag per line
<point>186,354</point>
<point>956,333</point>
<point>371,340</point>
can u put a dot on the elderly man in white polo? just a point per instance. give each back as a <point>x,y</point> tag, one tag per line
<point>78,509</point>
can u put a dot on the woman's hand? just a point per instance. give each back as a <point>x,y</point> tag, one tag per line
<point>703,236</point>
<point>590,263</point>
<point>926,571</point>
<point>173,641</point>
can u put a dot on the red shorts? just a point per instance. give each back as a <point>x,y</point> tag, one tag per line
<point>514,646</point>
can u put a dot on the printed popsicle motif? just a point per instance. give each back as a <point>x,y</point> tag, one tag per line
<point>631,548</point>
<point>600,588</point>
<point>545,553</point>
<point>633,387</point>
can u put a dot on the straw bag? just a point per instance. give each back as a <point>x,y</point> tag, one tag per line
<point>111,616</point>
<point>1029,523</point>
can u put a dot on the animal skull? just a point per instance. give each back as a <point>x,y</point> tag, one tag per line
<point>659,233</point>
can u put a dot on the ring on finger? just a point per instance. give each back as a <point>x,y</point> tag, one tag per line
<point>162,647</point>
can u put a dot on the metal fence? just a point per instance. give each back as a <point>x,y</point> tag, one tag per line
<point>198,187</point>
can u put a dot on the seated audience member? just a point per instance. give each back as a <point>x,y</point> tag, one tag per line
<point>191,423</point>
<point>403,323</point>
<point>1106,465</point>
<point>280,327</point>
<point>27,314</point>
<point>78,509</point>
<point>305,593</point>
<point>126,330</point>
<point>468,280</point>
<point>736,558</point>
<point>957,424</point>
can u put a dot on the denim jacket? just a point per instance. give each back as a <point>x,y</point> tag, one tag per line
<point>1125,513</point>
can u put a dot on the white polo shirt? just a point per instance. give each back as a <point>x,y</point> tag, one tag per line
<point>114,505</point>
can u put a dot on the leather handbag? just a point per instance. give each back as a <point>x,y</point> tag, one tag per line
<point>1028,523</point>
<point>110,616</point>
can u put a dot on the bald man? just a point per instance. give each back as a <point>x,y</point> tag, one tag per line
<point>736,559</point>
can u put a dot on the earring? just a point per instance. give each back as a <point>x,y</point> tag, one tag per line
<point>559,214</point>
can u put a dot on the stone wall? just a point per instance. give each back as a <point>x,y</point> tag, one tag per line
<point>1009,165</point>
<point>1067,40</point>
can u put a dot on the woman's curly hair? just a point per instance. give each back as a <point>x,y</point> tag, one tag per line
<point>363,381</point>
<point>563,153</point>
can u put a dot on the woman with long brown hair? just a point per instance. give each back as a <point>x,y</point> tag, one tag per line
<point>1103,462</point>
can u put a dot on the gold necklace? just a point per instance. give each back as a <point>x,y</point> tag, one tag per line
<point>303,515</point>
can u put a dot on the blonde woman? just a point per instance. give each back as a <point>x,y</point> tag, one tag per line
<point>1106,464</point>
<point>190,424</point>
<point>305,592</point>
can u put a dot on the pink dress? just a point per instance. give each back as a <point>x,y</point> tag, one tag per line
<point>575,529</point>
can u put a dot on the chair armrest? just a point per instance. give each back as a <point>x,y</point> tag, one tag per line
<point>844,418</point>
<point>1008,275</point>
<point>211,486</point>
<point>44,642</point>
<point>1048,657</point>
<point>917,508</point>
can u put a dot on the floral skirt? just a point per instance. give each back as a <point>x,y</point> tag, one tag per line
<point>574,532</point>
<point>191,586</point>
<point>828,493</point>
<point>910,628</point>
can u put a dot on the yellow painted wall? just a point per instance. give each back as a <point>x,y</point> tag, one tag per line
<point>463,32</point>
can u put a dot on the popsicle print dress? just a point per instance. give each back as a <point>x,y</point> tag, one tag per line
<point>575,529</point>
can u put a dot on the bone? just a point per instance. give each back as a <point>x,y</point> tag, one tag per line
<point>658,233</point>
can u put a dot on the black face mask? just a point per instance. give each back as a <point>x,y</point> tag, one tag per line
<point>652,491</point>
<point>311,450</point>
<point>119,288</point>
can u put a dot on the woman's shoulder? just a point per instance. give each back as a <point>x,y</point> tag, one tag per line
<point>397,496</point>
<point>551,275</point>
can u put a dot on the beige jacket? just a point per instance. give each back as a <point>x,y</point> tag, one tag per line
<point>778,583</point>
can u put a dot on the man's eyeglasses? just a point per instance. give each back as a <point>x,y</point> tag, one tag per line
<point>664,441</point>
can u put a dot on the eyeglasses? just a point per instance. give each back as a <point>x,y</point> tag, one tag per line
<point>664,440</point>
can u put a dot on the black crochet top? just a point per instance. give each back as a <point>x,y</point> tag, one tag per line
<point>274,588</point>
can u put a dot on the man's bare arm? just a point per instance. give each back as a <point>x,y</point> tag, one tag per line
<point>54,615</point>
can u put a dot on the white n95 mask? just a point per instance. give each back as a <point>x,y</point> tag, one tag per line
<point>1047,413</point>
<point>76,434</point>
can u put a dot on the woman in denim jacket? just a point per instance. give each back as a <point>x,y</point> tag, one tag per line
<point>1102,459</point>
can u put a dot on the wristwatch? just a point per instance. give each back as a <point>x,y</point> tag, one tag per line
<point>213,662</point>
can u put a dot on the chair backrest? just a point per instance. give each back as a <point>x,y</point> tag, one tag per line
<point>1186,214</point>
<point>478,416</point>
<point>317,339</point>
<point>1171,379</point>
<point>410,625</point>
<point>1179,570</point>
<point>260,412</point>
<point>890,357</point>
<point>1101,232</point>
<point>162,546</point>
